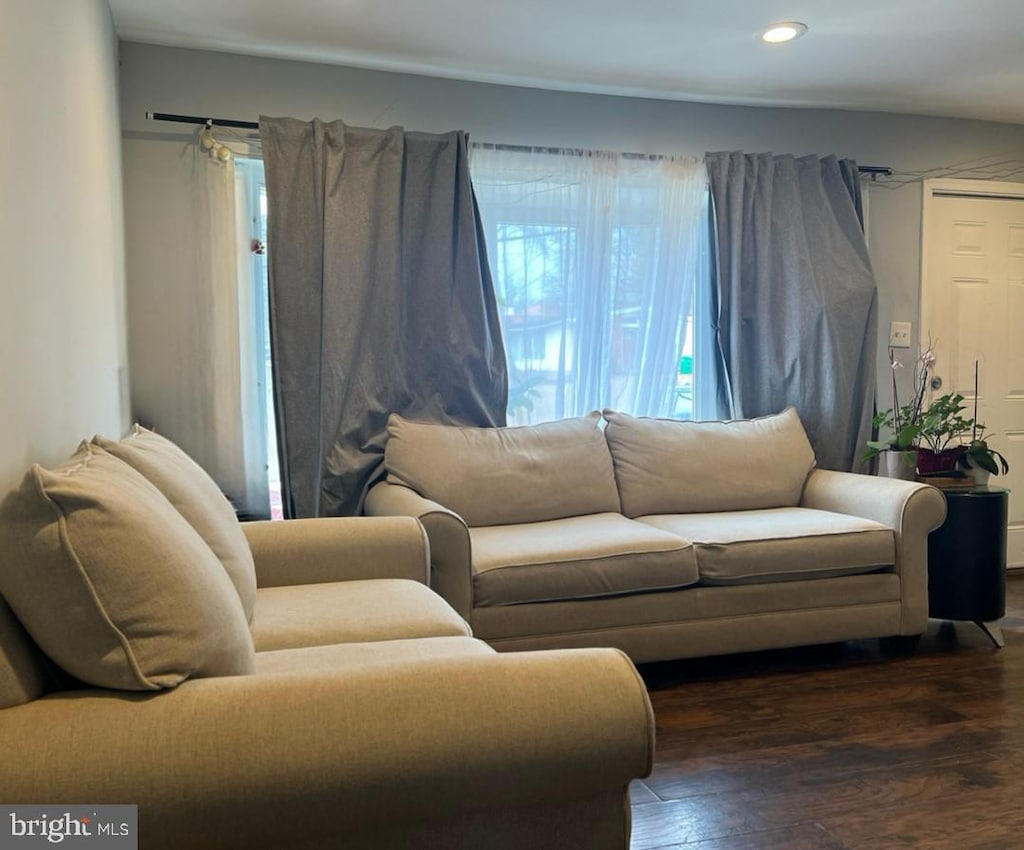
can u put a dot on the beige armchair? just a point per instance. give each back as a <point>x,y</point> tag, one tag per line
<point>371,717</point>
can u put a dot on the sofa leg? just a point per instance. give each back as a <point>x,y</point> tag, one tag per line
<point>900,644</point>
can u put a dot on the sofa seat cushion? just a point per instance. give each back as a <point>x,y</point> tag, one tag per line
<point>498,476</point>
<point>380,653</point>
<point>187,486</point>
<point>576,558</point>
<point>350,612</point>
<point>665,466</point>
<point>780,544</point>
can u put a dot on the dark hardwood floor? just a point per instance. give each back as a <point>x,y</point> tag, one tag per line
<point>842,747</point>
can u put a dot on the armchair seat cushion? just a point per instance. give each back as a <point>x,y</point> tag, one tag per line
<point>350,612</point>
<point>780,544</point>
<point>576,558</point>
<point>361,656</point>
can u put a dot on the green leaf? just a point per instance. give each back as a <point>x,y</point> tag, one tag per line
<point>907,436</point>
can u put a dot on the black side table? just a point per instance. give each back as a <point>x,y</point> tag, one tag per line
<point>967,560</point>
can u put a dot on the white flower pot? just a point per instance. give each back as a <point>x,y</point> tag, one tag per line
<point>981,476</point>
<point>902,465</point>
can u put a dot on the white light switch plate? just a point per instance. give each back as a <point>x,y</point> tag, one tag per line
<point>899,334</point>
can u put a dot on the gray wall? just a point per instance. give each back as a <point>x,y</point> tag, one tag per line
<point>164,79</point>
<point>62,325</point>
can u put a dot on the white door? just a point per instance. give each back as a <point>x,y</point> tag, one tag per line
<point>972,304</point>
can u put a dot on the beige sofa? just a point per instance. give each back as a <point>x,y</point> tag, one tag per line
<point>289,684</point>
<point>664,539</point>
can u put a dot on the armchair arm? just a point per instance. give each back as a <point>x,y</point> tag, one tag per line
<point>451,555</point>
<point>309,759</point>
<point>911,510</point>
<point>310,551</point>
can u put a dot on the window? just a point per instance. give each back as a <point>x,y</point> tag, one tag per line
<point>594,257</point>
<point>252,191</point>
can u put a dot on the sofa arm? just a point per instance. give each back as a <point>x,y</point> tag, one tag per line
<point>317,759</point>
<point>310,551</point>
<point>912,510</point>
<point>451,555</point>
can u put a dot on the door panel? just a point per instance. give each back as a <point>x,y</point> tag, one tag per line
<point>972,306</point>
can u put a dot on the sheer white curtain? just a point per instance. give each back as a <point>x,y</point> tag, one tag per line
<point>191,340</point>
<point>594,257</point>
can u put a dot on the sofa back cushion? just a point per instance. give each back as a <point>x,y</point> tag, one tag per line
<point>23,674</point>
<point>112,582</point>
<point>187,486</point>
<point>501,476</point>
<point>664,466</point>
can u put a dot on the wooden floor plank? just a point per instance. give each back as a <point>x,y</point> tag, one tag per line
<point>985,817</point>
<point>692,820</point>
<point>640,792</point>
<point>805,836</point>
<point>843,747</point>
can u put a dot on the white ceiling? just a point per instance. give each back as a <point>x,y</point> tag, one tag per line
<point>960,58</point>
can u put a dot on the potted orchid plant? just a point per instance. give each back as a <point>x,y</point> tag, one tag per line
<point>978,456</point>
<point>981,459</point>
<point>904,423</point>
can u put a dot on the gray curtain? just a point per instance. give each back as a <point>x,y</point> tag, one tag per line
<point>794,300</point>
<point>380,300</point>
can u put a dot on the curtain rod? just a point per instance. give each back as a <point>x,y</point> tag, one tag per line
<point>873,170</point>
<point>195,119</point>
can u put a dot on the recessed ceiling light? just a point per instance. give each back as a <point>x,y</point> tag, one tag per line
<point>783,31</point>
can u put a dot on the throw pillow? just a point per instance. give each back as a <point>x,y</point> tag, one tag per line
<point>113,583</point>
<point>197,497</point>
